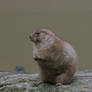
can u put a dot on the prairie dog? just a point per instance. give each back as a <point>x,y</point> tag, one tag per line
<point>56,59</point>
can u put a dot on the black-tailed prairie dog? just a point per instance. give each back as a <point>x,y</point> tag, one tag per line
<point>56,59</point>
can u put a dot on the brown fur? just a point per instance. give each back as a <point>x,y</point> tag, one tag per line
<point>56,59</point>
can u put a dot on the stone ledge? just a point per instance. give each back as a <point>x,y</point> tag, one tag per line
<point>10,82</point>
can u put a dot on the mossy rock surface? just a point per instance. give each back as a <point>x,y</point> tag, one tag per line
<point>10,82</point>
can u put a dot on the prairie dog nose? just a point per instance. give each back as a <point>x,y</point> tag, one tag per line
<point>31,38</point>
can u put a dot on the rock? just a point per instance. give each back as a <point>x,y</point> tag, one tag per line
<point>10,82</point>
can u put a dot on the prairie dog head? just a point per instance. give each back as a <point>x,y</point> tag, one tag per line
<point>42,36</point>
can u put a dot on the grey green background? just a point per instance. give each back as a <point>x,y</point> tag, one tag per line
<point>70,19</point>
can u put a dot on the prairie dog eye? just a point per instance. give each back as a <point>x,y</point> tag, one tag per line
<point>37,33</point>
<point>40,33</point>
